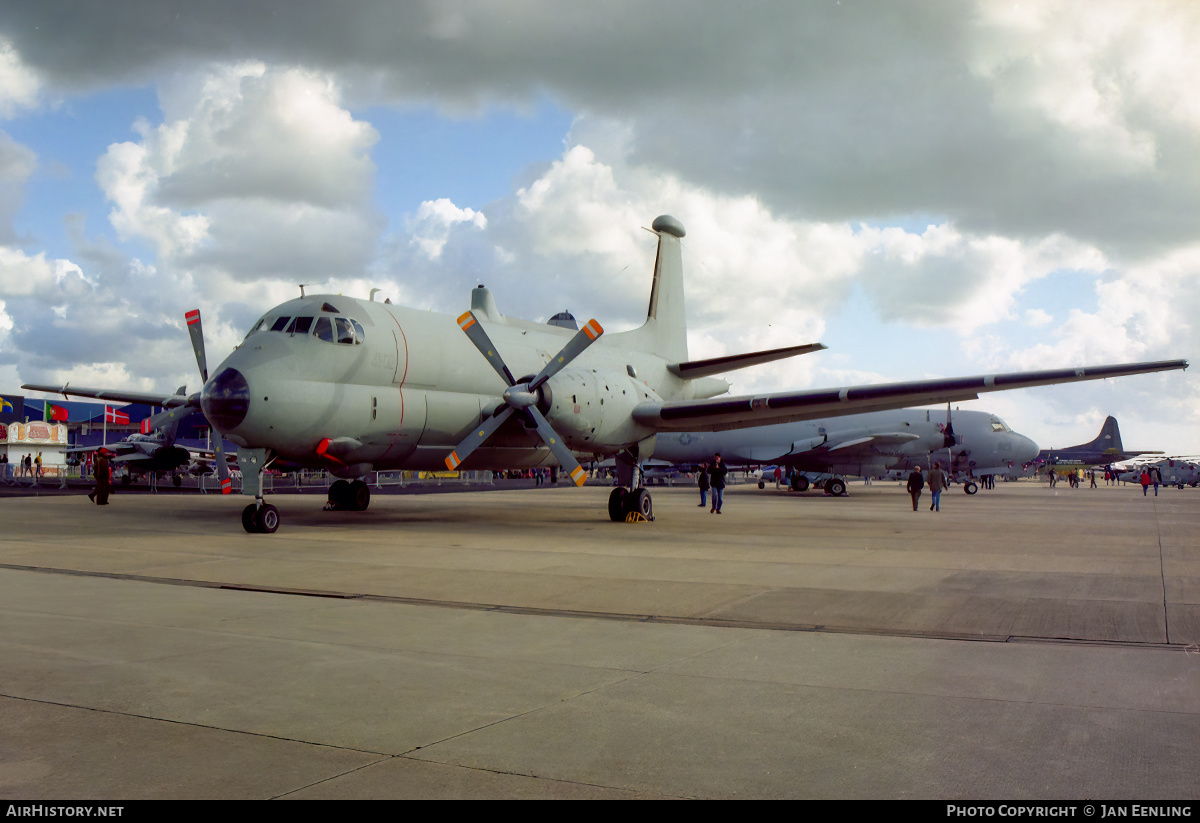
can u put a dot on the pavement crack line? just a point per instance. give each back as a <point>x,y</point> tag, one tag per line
<point>1162,572</point>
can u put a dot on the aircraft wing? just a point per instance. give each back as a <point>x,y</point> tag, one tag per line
<point>719,414</point>
<point>169,401</point>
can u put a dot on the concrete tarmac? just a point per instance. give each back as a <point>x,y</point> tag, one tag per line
<point>1023,643</point>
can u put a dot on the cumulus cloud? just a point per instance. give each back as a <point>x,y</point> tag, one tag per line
<point>259,173</point>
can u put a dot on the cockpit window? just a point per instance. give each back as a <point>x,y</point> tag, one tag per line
<point>324,329</point>
<point>360,333</point>
<point>345,331</point>
<point>300,325</point>
<point>280,323</point>
<point>257,326</point>
<point>999,425</point>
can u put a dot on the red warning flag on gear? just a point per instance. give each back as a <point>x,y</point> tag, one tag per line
<point>112,415</point>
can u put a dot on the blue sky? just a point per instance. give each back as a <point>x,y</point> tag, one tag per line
<point>928,190</point>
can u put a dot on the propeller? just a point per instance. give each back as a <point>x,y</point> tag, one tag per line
<point>196,332</point>
<point>522,398</point>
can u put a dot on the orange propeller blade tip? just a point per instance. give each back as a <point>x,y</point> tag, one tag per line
<point>579,476</point>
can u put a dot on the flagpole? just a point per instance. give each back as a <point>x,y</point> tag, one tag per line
<point>105,443</point>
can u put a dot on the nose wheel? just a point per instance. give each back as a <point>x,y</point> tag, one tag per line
<point>260,519</point>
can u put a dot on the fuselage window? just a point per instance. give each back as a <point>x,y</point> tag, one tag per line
<point>345,332</point>
<point>280,323</point>
<point>324,329</point>
<point>300,325</point>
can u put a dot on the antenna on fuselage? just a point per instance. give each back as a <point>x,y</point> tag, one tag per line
<point>303,286</point>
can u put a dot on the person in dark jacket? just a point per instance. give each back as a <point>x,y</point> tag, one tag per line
<point>716,477</point>
<point>915,483</point>
<point>103,473</point>
<point>703,483</point>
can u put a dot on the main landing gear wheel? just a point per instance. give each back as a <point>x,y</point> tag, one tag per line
<point>799,483</point>
<point>622,502</point>
<point>762,484</point>
<point>261,519</point>
<point>616,504</point>
<point>353,497</point>
<point>835,486</point>
<point>970,487</point>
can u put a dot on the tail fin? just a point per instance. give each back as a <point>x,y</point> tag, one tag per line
<point>665,330</point>
<point>1109,438</point>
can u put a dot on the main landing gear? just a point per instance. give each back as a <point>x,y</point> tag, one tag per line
<point>350,496</point>
<point>623,502</point>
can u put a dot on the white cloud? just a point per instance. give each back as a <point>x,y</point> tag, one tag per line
<point>430,226</point>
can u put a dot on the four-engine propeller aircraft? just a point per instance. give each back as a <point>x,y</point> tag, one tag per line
<point>1105,449</point>
<point>355,385</point>
<point>863,445</point>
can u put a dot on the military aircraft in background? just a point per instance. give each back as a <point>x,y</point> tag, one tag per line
<point>154,451</point>
<point>1105,449</point>
<point>969,442</point>
<point>352,385</point>
<point>1172,471</point>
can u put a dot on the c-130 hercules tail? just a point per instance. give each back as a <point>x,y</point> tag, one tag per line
<point>351,385</point>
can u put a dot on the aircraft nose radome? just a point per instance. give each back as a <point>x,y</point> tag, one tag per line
<point>226,400</point>
<point>1026,449</point>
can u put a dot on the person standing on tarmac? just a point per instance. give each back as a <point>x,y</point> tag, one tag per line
<point>915,483</point>
<point>716,477</point>
<point>103,480</point>
<point>703,483</point>
<point>937,482</point>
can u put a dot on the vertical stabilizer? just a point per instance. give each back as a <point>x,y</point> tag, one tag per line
<point>665,330</point>
<point>1110,436</point>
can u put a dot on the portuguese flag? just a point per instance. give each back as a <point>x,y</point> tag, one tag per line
<point>54,413</point>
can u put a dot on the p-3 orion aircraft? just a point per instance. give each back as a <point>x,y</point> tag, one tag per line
<point>356,385</point>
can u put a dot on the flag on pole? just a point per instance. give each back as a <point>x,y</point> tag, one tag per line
<point>52,412</point>
<point>112,415</point>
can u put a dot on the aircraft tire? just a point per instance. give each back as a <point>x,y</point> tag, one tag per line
<point>639,501</point>
<point>616,504</point>
<point>970,487</point>
<point>799,483</point>
<point>835,486</point>
<point>358,496</point>
<point>267,519</point>
<point>762,484</point>
<point>249,516</point>
<point>339,494</point>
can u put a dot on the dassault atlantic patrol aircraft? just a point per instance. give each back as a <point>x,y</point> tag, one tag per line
<point>354,386</point>
<point>863,445</point>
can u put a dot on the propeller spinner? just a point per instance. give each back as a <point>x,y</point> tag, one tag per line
<point>521,398</point>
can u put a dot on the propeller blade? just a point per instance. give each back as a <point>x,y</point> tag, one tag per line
<point>948,439</point>
<point>197,334</point>
<point>477,438</point>
<point>550,437</point>
<point>222,465</point>
<point>583,338</point>
<point>470,326</point>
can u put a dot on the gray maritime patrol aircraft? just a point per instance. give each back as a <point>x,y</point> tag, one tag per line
<point>354,385</point>
<point>969,442</point>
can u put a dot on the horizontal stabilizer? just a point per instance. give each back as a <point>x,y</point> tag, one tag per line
<point>719,365</point>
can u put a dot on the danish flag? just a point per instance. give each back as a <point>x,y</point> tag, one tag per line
<point>112,415</point>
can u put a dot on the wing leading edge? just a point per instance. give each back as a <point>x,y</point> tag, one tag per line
<point>724,413</point>
<point>167,401</point>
